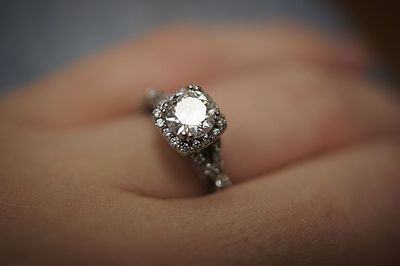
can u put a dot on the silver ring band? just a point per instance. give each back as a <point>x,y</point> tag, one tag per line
<point>192,124</point>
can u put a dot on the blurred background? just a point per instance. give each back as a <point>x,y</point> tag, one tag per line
<point>37,37</point>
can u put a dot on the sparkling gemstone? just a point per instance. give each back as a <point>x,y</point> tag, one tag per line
<point>160,122</point>
<point>191,111</point>
<point>222,182</point>
<point>157,113</point>
<point>216,132</point>
<point>191,116</point>
<point>189,120</point>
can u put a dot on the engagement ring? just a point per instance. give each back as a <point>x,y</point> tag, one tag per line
<point>192,123</point>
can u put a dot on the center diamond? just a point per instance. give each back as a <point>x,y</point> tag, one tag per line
<point>189,119</point>
<point>192,116</point>
<point>191,111</point>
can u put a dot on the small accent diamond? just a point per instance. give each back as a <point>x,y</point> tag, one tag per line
<point>160,122</point>
<point>222,181</point>
<point>157,113</point>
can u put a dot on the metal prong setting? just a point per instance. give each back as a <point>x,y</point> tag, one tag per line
<point>187,139</point>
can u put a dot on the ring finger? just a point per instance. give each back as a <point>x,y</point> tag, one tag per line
<point>276,118</point>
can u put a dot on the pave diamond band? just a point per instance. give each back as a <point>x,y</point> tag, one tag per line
<point>208,163</point>
<point>192,123</point>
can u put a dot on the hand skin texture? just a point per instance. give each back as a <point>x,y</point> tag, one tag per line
<point>312,146</point>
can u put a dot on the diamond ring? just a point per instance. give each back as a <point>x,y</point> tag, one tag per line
<point>192,123</point>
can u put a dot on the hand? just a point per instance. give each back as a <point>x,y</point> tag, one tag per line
<point>312,147</point>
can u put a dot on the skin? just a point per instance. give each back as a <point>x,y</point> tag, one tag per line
<point>312,147</point>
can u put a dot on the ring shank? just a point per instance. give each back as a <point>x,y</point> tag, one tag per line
<point>208,163</point>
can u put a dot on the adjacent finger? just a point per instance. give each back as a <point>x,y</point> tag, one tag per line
<point>107,85</point>
<point>341,209</point>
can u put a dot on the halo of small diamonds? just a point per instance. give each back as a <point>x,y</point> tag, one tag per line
<point>189,120</point>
